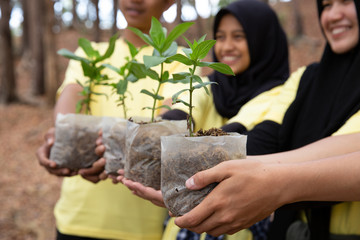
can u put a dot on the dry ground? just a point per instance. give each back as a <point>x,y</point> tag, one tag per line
<point>27,192</point>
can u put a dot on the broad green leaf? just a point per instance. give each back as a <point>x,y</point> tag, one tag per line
<point>188,42</point>
<point>187,52</point>
<point>110,49</point>
<point>171,51</point>
<point>165,76</point>
<point>197,79</point>
<point>203,85</point>
<point>154,96</point>
<point>221,67</point>
<point>132,78</point>
<point>143,36</point>
<point>156,33</point>
<point>181,75</point>
<point>204,64</point>
<point>175,33</point>
<point>133,50</point>
<point>88,70</point>
<point>121,87</point>
<point>180,101</point>
<point>202,49</point>
<point>85,44</point>
<point>66,53</point>
<point>181,58</point>
<point>176,95</point>
<point>151,61</point>
<point>115,69</point>
<point>138,69</point>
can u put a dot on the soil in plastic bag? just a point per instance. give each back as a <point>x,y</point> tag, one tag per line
<point>143,150</point>
<point>75,141</point>
<point>182,157</point>
<point>114,140</point>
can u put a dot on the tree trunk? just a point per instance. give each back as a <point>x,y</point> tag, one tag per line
<point>51,69</point>
<point>114,28</point>
<point>97,33</point>
<point>25,26</point>
<point>178,19</point>
<point>7,74</point>
<point>36,43</point>
<point>299,30</point>
<point>75,21</point>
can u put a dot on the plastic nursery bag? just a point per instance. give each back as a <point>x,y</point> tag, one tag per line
<point>75,140</point>
<point>182,157</point>
<point>114,140</point>
<point>143,150</point>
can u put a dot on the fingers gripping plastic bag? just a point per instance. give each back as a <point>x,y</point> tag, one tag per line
<point>75,140</point>
<point>143,150</point>
<point>114,140</point>
<point>182,157</point>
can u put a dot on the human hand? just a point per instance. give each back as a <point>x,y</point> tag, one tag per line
<point>100,147</point>
<point>43,154</point>
<point>248,191</point>
<point>146,193</point>
<point>96,172</point>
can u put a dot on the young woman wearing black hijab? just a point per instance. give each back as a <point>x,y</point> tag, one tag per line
<point>251,41</point>
<point>326,102</point>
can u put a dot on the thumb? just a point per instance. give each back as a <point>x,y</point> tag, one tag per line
<point>206,177</point>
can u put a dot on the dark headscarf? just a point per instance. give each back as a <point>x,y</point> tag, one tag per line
<point>268,50</point>
<point>328,95</point>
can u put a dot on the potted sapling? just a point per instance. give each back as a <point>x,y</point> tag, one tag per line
<point>143,149</point>
<point>114,128</point>
<point>76,134</point>
<point>183,155</point>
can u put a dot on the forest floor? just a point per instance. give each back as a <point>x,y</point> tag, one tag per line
<point>27,192</point>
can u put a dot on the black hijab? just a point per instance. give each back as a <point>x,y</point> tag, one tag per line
<point>268,50</point>
<point>328,95</point>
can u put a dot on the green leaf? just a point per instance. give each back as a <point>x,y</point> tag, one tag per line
<point>171,51</point>
<point>203,85</point>
<point>181,76</point>
<point>163,106</point>
<point>197,79</point>
<point>202,49</point>
<point>131,78</point>
<point>121,87</point>
<point>110,49</point>
<point>133,50</point>
<point>175,33</point>
<point>143,36</point>
<point>176,95</point>
<point>181,58</point>
<point>154,96</point>
<point>156,33</point>
<point>115,69</point>
<point>165,77</point>
<point>66,53</point>
<point>202,39</point>
<point>187,52</point>
<point>188,42</point>
<point>221,67</point>
<point>85,44</point>
<point>88,70</point>
<point>151,61</point>
<point>181,101</point>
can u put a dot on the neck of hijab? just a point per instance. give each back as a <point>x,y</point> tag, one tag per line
<point>268,50</point>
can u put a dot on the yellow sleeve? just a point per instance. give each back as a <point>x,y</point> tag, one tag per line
<point>287,95</point>
<point>253,112</point>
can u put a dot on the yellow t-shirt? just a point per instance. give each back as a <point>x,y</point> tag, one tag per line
<point>106,210</point>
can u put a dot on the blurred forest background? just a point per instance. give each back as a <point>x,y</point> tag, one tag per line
<point>31,32</point>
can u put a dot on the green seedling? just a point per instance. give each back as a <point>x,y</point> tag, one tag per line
<point>91,68</point>
<point>165,48</point>
<point>127,74</point>
<point>193,56</point>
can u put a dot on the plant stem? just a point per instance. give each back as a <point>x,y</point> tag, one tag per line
<point>191,130</point>
<point>157,92</point>
<point>124,108</point>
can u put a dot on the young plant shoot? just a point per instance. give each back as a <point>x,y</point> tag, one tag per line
<point>127,74</point>
<point>193,56</point>
<point>165,48</point>
<point>90,70</point>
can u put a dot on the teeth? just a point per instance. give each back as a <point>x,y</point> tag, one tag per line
<point>338,30</point>
<point>229,58</point>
